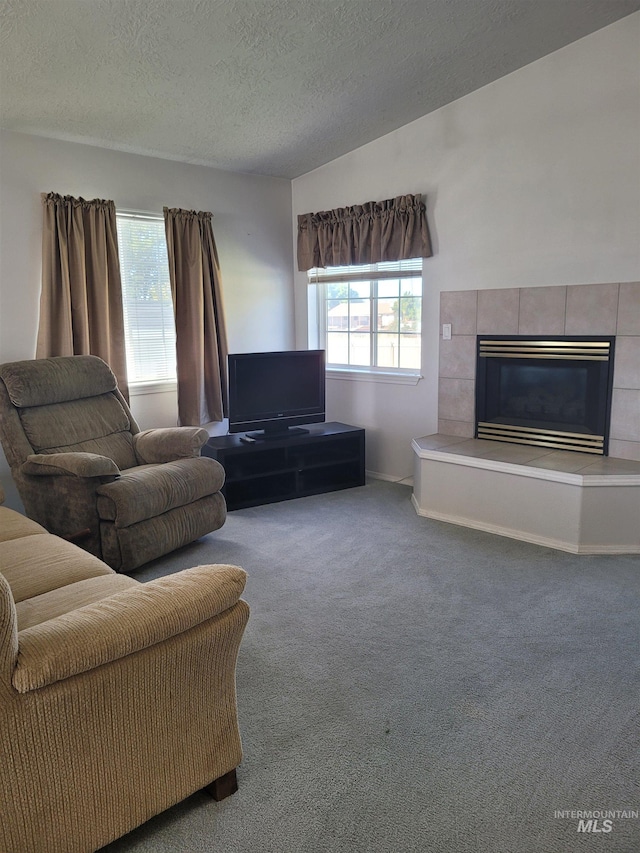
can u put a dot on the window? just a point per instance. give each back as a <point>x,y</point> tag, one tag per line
<point>370,317</point>
<point>150,336</point>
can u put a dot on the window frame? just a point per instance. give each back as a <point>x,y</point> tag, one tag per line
<point>319,279</point>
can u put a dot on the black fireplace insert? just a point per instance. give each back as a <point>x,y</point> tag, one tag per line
<point>551,392</point>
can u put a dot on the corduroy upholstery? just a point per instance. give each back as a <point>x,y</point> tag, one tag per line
<point>81,463</point>
<point>117,699</point>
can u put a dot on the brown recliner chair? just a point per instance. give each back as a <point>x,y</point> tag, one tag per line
<point>86,472</point>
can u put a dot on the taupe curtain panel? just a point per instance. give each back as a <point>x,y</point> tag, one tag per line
<point>391,230</point>
<point>81,297</point>
<point>201,339</point>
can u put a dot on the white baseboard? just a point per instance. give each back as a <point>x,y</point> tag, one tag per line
<point>390,478</point>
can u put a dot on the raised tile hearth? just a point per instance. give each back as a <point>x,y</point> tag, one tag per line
<point>560,499</point>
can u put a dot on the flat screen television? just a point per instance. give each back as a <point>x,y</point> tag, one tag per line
<point>275,393</point>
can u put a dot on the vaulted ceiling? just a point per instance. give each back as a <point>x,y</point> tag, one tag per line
<point>273,87</point>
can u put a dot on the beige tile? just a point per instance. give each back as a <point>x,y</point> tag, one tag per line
<point>458,357</point>
<point>629,308</point>
<point>592,309</point>
<point>625,449</point>
<point>477,448</point>
<point>437,441</point>
<point>456,399</point>
<point>567,461</point>
<point>518,454</point>
<point>626,373</point>
<point>461,429</point>
<point>542,311</point>
<point>498,311</point>
<point>625,415</point>
<point>459,307</point>
<point>612,465</point>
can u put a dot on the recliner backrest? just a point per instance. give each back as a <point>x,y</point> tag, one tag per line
<point>71,404</point>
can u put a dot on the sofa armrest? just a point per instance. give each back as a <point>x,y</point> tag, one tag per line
<point>166,444</point>
<point>8,636</point>
<point>123,623</point>
<point>76,464</point>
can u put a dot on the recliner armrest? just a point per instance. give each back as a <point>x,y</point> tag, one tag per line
<point>166,444</point>
<point>76,463</point>
<point>124,623</point>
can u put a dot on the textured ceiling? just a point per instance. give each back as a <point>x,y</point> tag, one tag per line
<point>275,87</point>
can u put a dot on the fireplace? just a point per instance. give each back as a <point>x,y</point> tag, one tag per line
<point>552,393</point>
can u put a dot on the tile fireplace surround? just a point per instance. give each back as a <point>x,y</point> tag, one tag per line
<point>570,501</point>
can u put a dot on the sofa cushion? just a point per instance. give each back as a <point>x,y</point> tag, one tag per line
<point>148,491</point>
<point>39,563</point>
<point>15,526</point>
<point>40,608</point>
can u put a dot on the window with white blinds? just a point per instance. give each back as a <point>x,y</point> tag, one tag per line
<point>150,335</point>
<point>370,316</point>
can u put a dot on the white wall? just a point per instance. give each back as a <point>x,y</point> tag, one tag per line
<point>533,180</point>
<point>251,223</point>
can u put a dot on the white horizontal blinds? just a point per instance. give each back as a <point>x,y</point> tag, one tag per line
<point>150,335</point>
<point>411,268</point>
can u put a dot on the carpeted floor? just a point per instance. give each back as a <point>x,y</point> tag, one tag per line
<point>408,685</point>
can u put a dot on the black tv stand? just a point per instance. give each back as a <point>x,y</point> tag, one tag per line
<point>325,458</point>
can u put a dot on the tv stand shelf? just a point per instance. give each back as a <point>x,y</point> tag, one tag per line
<point>329,457</point>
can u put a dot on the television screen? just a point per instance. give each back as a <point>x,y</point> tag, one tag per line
<point>275,391</point>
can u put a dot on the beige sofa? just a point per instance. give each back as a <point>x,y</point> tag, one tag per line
<point>117,699</point>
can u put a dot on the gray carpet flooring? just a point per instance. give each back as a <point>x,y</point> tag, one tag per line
<point>408,685</point>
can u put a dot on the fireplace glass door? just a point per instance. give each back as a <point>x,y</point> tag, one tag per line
<point>552,393</point>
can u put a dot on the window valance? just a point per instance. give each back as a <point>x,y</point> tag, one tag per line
<point>369,233</point>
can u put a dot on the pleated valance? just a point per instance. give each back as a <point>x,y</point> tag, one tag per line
<point>391,230</point>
